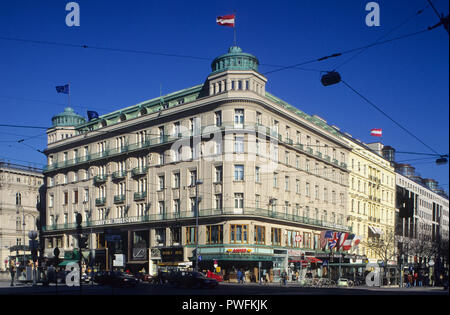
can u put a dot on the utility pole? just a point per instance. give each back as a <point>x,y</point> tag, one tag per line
<point>79,220</point>
<point>197,183</point>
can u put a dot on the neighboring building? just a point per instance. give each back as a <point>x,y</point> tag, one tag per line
<point>371,200</point>
<point>272,177</point>
<point>422,220</point>
<point>19,201</point>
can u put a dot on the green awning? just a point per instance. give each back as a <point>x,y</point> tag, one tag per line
<point>66,262</point>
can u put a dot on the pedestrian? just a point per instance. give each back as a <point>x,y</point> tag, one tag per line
<point>263,276</point>
<point>239,276</point>
<point>410,280</point>
<point>416,276</point>
<point>13,274</point>
<point>420,279</point>
<point>284,277</point>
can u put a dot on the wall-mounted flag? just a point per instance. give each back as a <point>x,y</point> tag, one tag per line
<point>348,242</point>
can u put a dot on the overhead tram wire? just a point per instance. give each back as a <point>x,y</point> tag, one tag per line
<point>247,141</point>
<point>391,119</point>
<point>209,59</point>
<point>383,36</point>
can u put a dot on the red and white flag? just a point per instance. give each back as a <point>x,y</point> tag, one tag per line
<point>348,242</point>
<point>226,20</point>
<point>356,240</point>
<point>376,132</point>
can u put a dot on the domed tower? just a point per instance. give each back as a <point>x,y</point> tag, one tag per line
<point>236,71</point>
<point>63,125</point>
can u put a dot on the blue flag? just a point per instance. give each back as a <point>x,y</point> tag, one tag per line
<point>63,89</point>
<point>92,115</point>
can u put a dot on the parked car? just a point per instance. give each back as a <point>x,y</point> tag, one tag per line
<point>192,279</point>
<point>342,282</point>
<point>212,275</point>
<point>120,279</point>
<point>115,278</point>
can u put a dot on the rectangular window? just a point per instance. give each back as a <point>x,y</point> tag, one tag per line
<point>214,234</point>
<point>218,118</point>
<point>66,198</point>
<point>239,172</point>
<point>50,201</point>
<point>218,178</point>
<point>238,144</point>
<point>275,180</point>
<point>176,206</point>
<point>239,201</point>
<point>276,236</point>
<point>257,201</point>
<point>218,201</point>
<point>161,182</point>
<point>176,180</point>
<point>238,233</point>
<point>193,177</point>
<point>286,183</point>
<point>260,235</point>
<point>75,196</point>
<point>257,174</point>
<point>239,118</point>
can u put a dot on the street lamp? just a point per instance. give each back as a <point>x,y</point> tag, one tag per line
<point>197,183</point>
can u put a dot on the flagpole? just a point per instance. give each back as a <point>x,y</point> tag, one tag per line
<point>68,84</point>
<point>234,28</point>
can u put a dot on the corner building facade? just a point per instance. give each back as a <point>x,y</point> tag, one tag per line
<point>268,177</point>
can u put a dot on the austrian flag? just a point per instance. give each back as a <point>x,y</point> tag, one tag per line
<point>376,132</point>
<point>226,20</point>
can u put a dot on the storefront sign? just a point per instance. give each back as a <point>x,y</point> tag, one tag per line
<point>116,221</point>
<point>140,253</point>
<point>119,260</point>
<point>294,252</point>
<point>239,250</point>
<point>171,254</point>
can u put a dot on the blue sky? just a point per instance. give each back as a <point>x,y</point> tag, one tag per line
<point>406,78</point>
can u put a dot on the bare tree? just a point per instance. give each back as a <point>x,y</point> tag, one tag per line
<point>384,246</point>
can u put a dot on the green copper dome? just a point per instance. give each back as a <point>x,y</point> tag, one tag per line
<point>235,59</point>
<point>67,118</point>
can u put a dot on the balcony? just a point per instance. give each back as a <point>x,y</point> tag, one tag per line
<point>336,162</point>
<point>140,195</point>
<point>327,158</point>
<point>309,150</point>
<point>299,146</point>
<point>119,175</point>
<point>138,171</point>
<point>251,212</point>
<point>100,201</point>
<point>343,165</point>
<point>318,154</point>
<point>289,141</point>
<point>119,198</point>
<point>100,179</point>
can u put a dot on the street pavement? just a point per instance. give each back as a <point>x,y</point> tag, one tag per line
<point>256,289</point>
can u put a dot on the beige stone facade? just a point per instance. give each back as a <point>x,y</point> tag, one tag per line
<point>272,177</point>
<point>19,200</point>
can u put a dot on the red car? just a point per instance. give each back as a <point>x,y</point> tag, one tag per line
<point>212,275</point>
